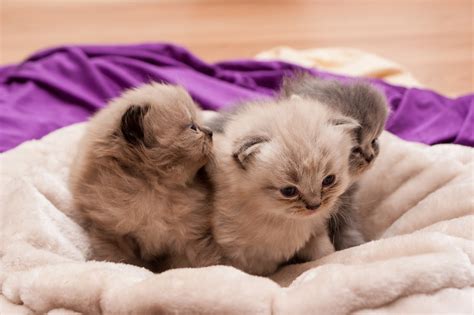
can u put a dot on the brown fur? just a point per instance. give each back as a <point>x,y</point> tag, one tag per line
<point>265,147</point>
<point>136,184</point>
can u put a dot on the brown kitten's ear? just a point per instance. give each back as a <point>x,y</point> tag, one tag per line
<point>132,124</point>
<point>247,149</point>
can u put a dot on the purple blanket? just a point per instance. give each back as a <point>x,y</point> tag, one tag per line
<point>65,85</point>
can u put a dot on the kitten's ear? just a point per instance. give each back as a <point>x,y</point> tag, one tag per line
<point>295,97</point>
<point>132,124</point>
<point>348,124</point>
<point>247,148</point>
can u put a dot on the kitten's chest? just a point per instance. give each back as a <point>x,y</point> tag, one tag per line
<point>277,242</point>
<point>264,250</point>
<point>172,220</point>
<point>286,239</point>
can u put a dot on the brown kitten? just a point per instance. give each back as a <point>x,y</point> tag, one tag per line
<point>369,108</point>
<point>136,183</point>
<point>277,180</point>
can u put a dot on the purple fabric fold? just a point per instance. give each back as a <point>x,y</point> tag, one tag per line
<point>64,85</point>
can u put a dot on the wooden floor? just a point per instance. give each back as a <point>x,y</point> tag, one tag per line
<point>431,38</point>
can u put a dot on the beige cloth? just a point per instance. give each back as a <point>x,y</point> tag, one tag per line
<point>417,200</point>
<point>345,61</point>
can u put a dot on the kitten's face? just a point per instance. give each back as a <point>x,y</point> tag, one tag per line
<point>164,125</point>
<point>303,184</point>
<point>176,130</point>
<point>364,154</point>
<point>293,174</point>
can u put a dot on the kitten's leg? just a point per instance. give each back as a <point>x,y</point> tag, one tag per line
<point>318,246</point>
<point>343,225</point>
<point>111,248</point>
<point>347,236</point>
<point>204,252</point>
<point>124,249</point>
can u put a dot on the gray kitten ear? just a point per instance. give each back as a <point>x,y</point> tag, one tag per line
<point>343,121</point>
<point>132,124</point>
<point>247,149</point>
<point>349,125</point>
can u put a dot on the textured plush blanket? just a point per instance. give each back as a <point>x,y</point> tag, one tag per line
<point>60,86</point>
<point>418,207</point>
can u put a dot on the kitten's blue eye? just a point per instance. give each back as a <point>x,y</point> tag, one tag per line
<point>329,180</point>
<point>289,191</point>
<point>193,127</point>
<point>374,142</point>
<point>357,150</point>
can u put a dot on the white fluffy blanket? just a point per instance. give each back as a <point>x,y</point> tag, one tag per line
<point>418,204</point>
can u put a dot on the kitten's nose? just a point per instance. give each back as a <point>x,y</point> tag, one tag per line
<point>369,157</point>
<point>207,131</point>
<point>313,206</point>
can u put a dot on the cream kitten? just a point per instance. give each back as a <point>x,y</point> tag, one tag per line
<point>136,181</point>
<point>369,108</point>
<point>279,170</point>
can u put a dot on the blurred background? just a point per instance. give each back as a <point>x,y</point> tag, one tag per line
<point>433,39</point>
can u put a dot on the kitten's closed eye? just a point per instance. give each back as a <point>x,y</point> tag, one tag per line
<point>193,126</point>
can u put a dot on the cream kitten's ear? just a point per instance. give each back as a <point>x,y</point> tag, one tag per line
<point>132,124</point>
<point>247,148</point>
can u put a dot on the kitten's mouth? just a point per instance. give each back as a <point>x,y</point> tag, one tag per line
<point>206,148</point>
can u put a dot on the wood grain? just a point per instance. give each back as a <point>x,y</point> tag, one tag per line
<point>431,38</point>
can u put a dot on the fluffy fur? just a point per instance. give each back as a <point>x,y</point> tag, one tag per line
<point>266,147</point>
<point>136,181</point>
<point>357,100</point>
<point>369,108</point>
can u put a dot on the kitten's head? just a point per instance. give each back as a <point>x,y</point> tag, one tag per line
<point>293,160</point>
<point>371,113</point>
<point>160,129</point>
<point>357,100</point>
